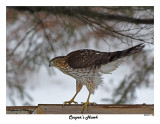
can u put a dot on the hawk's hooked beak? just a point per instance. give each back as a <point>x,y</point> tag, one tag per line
<point>50,63</point>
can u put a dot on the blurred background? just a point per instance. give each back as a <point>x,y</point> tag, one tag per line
<point>34,35</point>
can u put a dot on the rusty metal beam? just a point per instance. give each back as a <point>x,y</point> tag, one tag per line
<point>76,109</point>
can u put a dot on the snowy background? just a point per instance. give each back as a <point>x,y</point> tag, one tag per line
<point>57,87</point>
<point>53,87</point>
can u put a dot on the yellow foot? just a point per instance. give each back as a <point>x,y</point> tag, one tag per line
<point>85,104</point>
<point>69,102</point>
<point>90,103</point>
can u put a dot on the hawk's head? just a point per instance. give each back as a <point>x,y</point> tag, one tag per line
<point>57,61</point>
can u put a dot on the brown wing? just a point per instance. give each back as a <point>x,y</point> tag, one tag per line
<point>84,58</point>
<point>87,58</point>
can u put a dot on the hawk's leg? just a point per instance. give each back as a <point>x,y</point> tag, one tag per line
<point>78,88</point>
<point>86,103</point>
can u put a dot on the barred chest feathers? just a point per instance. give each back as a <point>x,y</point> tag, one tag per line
<point>90,77</point>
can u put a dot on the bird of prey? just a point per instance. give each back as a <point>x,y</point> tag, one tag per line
<point>87,67</point>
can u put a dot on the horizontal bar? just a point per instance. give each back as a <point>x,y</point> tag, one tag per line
<point>76,109</point>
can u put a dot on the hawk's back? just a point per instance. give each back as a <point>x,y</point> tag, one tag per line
<point>87,57</point>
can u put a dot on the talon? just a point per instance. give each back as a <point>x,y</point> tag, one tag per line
<point>85,105</point>
<point>89,103</point>
<point>75,102</point>
<point>69,102</point>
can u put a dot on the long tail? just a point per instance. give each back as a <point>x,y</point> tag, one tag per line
<point>119,54</point>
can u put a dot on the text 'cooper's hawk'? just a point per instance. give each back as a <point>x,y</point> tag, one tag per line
<point>87,66</point>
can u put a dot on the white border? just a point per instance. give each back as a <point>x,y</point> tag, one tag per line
<point>79,2</point>
<point>157,60</point>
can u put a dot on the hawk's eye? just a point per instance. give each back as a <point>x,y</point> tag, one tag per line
<point>55,61</point>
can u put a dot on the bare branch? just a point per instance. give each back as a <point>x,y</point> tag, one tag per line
<point>72,11</point>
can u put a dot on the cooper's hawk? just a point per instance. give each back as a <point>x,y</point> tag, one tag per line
<point>87,66</point>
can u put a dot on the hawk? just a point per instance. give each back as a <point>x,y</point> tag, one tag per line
<point>87,67</point>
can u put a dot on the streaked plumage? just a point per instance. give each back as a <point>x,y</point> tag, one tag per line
<point>87,65</point>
